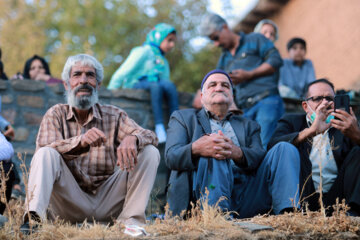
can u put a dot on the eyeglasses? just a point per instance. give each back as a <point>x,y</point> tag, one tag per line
<point>318,99</point>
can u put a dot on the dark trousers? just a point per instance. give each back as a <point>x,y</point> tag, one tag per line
<point>346,185</point>
<point>9,173</point>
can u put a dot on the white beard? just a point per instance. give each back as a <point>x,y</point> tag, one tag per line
<point>81,102</point>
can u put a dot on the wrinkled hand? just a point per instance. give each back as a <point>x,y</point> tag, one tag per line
<point>215,145</point>
<point>93,137</point>
<point>10,133</point>
<point>127,153</point>
<point>346,123</point>
<point>322,112</point>
<point>240,76</point>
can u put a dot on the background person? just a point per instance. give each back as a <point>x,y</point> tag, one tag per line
<point>36,68</point>
<point>147,68</point>
<point>268,28</point>
<point>251,60</point>
<point>297,71</point>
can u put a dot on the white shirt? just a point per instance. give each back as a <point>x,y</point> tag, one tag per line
<point>323,162</point>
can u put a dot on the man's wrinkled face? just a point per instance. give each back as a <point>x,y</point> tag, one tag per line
<point>81,90</point>
<point>217,90</point>
<point>318,93</point>
<point>221,38</point>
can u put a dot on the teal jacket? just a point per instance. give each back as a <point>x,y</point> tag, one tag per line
<point>146,62</point>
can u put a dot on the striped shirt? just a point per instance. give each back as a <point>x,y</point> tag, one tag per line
<point>90,166</point>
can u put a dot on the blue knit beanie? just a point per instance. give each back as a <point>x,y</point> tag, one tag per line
<point>213,72</point>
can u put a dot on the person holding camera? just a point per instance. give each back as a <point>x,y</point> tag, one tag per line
<point>328,141</point>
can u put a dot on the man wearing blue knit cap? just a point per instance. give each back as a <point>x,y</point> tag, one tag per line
<point>221,151</point>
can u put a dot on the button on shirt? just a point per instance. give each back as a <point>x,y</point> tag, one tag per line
<point>91,166</point>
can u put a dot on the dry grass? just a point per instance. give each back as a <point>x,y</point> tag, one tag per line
<point>203,222</point>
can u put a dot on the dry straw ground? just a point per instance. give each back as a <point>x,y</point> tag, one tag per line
<point>206,222</point>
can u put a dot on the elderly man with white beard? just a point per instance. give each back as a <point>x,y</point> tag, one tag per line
<point>73,175</point>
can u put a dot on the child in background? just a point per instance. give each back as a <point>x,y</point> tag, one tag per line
<point>147,68</point>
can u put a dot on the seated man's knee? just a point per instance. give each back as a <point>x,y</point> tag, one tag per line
<point>285,151</point>
<point>284,146</point>
<point>45,154</point>
<point>150,154</point>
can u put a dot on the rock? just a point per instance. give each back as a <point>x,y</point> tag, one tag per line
<point>30,101</point>
<point>28,85</point>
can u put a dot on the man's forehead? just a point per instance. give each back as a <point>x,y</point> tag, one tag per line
<point>320,88</point>
<point>217,77</point>
<point>78,67</point>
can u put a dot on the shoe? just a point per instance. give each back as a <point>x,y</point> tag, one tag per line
<point>25,228</point>
<point>135,231</point>
<point>160,132</point>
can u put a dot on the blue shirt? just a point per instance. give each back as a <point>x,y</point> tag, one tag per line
<point>6,149</point>
<point>254,49</point>
<point>297,77</point>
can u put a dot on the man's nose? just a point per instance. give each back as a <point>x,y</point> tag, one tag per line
<point>83,78</point>
<point>216,43</point>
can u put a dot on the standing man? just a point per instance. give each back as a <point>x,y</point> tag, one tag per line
<point>297,71</point>
<point>328,147</point>
<point>77,148</point>
<point>219,150</point>
<point>251,60</point>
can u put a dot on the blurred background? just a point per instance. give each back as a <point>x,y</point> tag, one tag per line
<point>108,29</point>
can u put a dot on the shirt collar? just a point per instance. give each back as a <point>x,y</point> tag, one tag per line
<point>94,113</point>
<point>210,115</point>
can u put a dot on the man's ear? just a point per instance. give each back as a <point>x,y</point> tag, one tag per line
<point>98,85</point>
<point>304,106</point>
<point>65,85</point>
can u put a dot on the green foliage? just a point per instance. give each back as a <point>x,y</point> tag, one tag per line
<point>107,29</point>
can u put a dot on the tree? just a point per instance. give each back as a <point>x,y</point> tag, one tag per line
<point>107,29</point>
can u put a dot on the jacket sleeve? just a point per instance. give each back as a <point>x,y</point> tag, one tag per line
<point>178,145</point>
<point>284,132</point>
<point>253,151</point>
<point>124,75</point>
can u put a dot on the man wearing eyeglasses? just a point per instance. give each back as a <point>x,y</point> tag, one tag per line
<point>328,142</point>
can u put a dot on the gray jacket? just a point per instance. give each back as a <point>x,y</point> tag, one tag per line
<point>185,127</point>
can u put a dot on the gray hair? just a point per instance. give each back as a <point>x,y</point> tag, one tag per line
<point>84,60</point>
<point>211,23</point>
<point>259,25</point>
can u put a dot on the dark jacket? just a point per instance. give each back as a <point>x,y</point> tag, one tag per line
<point>288,129</point>
<point>185,127</point>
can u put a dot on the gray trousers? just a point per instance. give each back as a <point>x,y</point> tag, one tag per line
<point>122,197</point>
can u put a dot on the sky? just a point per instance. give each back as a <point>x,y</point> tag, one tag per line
<point>232,11</point>
<point>235,11</point>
